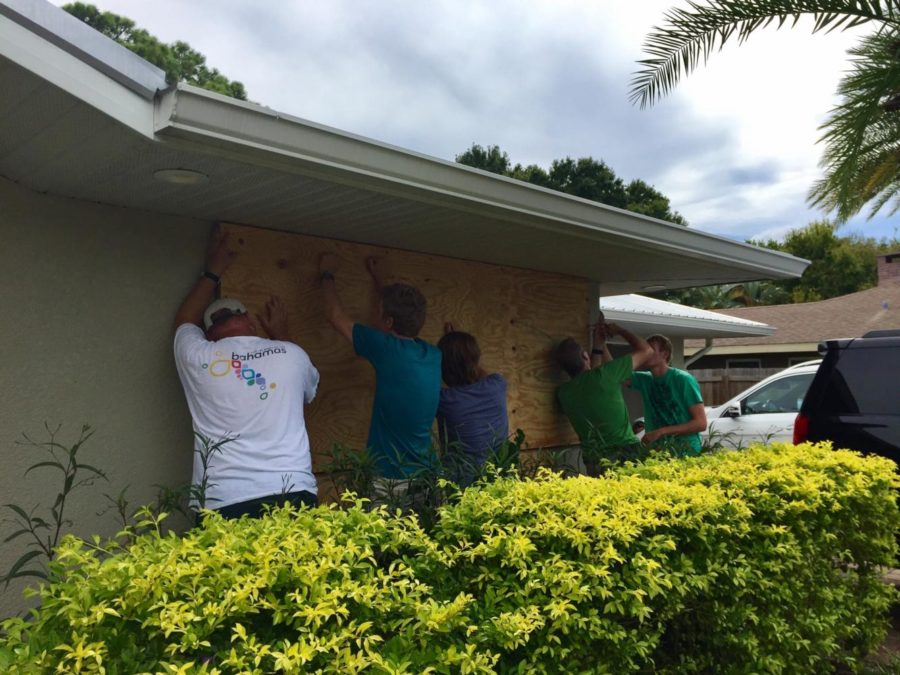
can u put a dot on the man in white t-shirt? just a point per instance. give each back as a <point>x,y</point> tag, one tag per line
<point>246,396</point>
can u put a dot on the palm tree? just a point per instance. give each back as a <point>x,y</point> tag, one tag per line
<point>756,293</point>
<point>861,135</point>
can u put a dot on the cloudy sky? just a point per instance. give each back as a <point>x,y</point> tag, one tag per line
<point>734,147</point>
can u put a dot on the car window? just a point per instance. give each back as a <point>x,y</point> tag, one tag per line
<point>863,381</point>
<point>784,395</point>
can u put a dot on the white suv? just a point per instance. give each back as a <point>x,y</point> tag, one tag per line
<point>763,413</point>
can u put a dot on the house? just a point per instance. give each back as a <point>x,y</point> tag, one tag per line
<point>800,327</point>
<point>110,180</point>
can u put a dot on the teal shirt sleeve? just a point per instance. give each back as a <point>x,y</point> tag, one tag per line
<point>369,342</point>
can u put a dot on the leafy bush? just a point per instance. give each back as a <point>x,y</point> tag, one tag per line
<point>765,560</point>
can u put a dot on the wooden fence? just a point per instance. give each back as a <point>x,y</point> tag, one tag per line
<point>720,384</point>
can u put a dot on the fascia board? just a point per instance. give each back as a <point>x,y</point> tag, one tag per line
<point>86,44</point>
<point>51,63</point>
<point>799,347</point>
<point>213,120</point>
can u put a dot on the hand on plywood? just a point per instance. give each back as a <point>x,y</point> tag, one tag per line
<point>448,327</point>
<point>329,263</point>
<point>376,268</point>
<point>274,320</point>
<point>221,252</point>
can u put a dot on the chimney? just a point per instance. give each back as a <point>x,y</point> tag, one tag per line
<point>888,268</point>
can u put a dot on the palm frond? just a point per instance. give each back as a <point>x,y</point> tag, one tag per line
<point>861,159</point>
<point>689,36</point>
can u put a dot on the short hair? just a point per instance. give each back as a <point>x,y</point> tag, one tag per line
<point>568,356</point>
<point>404,304</point>
<point>460,359</point>
<point>665,344</point>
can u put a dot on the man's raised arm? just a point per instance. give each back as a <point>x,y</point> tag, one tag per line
<point>641,351</point>
<point>219,256</point>
<point>334,311</point>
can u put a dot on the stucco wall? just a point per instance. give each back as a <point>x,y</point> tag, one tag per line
<point>88,295</point>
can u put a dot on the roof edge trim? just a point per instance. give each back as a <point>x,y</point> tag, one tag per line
<point>193,113</point>
<point>86,44</point>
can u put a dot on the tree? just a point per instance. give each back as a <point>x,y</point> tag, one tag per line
<point>585,177</point>
<point>178,60</point>
<point>838,265</point>
<point>756,293</point>
<point>491,158</point>
<point>861,159</point>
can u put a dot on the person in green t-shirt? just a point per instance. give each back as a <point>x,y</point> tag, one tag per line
<point>592,399</point>
<point>673,407</point>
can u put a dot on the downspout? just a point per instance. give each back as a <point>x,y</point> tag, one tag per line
<point>696,356</point>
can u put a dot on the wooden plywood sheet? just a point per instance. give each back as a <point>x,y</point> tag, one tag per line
<point>515,314</point>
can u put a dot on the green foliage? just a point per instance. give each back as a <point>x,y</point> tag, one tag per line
<point>178,60</point>
<point>861,161</point>
<point>861,134</point>
<point>839,265</point>
<point>765,560</point>
<point>585,177</point>
<point>43,532</point>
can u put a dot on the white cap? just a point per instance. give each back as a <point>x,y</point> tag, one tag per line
<point>235,306</point>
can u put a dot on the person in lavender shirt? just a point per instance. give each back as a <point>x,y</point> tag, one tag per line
<point>471,415</point>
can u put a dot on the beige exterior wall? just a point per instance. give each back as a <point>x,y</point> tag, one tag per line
<point>88,295</point>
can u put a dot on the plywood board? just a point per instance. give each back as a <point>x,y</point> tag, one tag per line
<point>516,315</point>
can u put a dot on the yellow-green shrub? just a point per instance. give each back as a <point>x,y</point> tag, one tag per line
<point>760,561</point>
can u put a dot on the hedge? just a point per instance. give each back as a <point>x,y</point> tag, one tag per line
<point>764,560</point>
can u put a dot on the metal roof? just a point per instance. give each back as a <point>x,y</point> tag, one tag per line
<point>72,128</point>
<point>642,315</point>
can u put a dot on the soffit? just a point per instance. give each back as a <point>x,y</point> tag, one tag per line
<point>53,141</point>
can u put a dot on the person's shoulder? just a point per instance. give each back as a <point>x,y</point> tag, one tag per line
<point>682,374</point>
<point>362,330</point>
<point>291,348</point>
<point>368,340</point>
<point>189,336</point>
<point>495,380</point>
<point>189,330</point>
<point>641,379</point>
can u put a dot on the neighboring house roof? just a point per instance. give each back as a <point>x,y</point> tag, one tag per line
<point>800,327</point>
<point>644,315</point>
<point>81,120</point>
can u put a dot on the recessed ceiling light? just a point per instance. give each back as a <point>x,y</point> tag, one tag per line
<point>653,288</point>
<point>180,176</point>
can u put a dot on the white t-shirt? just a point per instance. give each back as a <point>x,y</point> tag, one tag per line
<point>250,390</point>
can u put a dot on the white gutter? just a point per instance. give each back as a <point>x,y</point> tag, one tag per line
<point>243,130</point>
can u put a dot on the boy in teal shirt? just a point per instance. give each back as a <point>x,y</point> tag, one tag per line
<point>674,414</point>
<point>407,373</point>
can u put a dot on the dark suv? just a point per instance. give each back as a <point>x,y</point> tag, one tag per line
<point>854,399</point>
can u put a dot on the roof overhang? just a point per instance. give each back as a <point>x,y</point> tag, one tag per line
<point>105,139</point>
<point>644,315</point>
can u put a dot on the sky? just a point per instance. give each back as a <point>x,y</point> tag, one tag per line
<point>733,146</point>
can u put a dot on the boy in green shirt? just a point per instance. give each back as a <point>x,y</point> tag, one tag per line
<point>592,399</point>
